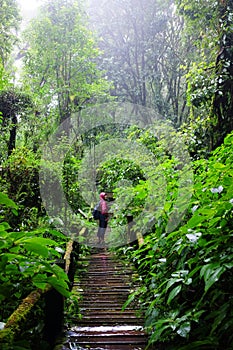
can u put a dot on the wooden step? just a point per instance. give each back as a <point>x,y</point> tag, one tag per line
<point>104,287</point>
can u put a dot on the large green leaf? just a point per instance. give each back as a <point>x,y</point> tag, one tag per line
<point>39,240</point>
<point>59,272</point>
<point>36,248</point>
<point>60,285</point>
<point>196,220</point>
<point>4,226</point>
<point>58,234</point>
<point>40,281</point>
<point>174,293</point>
<point>5,200</point>
<point>173,281</point>
<point>211,273</point>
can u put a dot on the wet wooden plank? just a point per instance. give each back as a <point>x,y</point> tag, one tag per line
<point>104,288</point>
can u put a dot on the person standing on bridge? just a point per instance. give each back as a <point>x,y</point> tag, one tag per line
<point>103,218</point>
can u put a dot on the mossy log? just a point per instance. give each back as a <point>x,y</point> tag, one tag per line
<point>17,319</point>
<point>19,316</point>
<point>67,256</point>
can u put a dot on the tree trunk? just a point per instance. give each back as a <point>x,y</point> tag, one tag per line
<point>223,98</point>
<point>12,139</point>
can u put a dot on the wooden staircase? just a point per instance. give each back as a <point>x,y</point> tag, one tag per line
<point>105,287</point>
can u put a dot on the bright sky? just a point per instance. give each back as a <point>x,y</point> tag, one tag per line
<point>28,8</point>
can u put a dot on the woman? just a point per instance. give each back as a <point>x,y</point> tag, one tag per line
<point>103,218</point>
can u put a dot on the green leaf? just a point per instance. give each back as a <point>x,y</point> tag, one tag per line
<point>40,285</point>
<point>201,344</point>
<point>214,221</point>
<point>132,296</point>
<point>40,281</point>
<point>58,234</point>
<point>157,334</point>
<point>60,285</point>
<point>59,272</point>
<point>4,226</point>
<point>219,316</point>
<point>4,199</point>
<point>15,236</point>
<point>219,166</point>
<point>21,345</point>
<point>196,220</point>
<point>53,280</point>
<point>39,240</point>
<point>12,257</point>
<point>211,274</point>
<point>36,248</point>
<point>214,277</point>
<point>173,281</point>
<point>15,212</point>
<point>129,300</point>
<point>174,293</point>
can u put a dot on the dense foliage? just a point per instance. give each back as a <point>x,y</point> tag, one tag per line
<point>27,262</point>
<point>10,19</point>
<point>60,60</point>
<point>143,53</point>
<point>174,57</point>
<point>209,78</point>
<point>187,274</point>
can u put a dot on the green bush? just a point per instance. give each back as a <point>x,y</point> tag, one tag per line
<point>187,274</point>
<point>28,261</point>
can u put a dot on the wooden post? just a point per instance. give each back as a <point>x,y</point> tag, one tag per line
<point>54,310</point>
<point>132,234</point>
<point>140,238</point>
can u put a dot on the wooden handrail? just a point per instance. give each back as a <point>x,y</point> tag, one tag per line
<point>12,327</point>
<point>67,256</point>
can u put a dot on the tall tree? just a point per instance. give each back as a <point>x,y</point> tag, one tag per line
<point>142,52</point>
<point>60,60</point>
<point>10,101</point>
<point>13,106</point>
<point>209,24</point>
<point>223,97</point>
<point>10,19</point>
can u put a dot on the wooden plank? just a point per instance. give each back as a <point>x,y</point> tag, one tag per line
<point>104,288</point>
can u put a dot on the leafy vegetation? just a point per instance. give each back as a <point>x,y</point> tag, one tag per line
<point>186,274</point>
<point>28,261</point>
<point>171,57</point>
<point>142,51</point>
<point>60,60</point>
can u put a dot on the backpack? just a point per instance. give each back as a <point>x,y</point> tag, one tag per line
<point>96,212</point>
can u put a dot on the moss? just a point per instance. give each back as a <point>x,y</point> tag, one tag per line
<point>69,249</point>
<point>14,322</point>
<point>19,316</point>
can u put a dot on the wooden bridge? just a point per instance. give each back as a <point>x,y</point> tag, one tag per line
<point>104,288</point>
<point>102,291</point>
